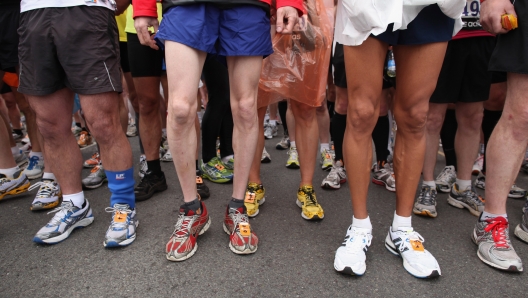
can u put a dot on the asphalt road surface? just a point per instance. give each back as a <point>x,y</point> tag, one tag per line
<point>294,258</point>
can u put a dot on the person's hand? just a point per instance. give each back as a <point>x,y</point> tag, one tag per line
<point>491,12</point>
<point>142,24</point>
<point>287,17</point>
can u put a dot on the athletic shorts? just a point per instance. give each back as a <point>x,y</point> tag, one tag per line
<point>498,77</point>
<point>464,76</point>
<point>144,60</point>
<point>75,47</point>
<point>9,19</point>
<point>431,25</point>
<point>511,51</point>
<point>123,51</point>
<point>242,30</point>
<point>338,62</point>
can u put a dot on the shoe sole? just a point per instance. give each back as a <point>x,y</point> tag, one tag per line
<point>36,176</point>
<point>314,218</point>
<point>392,249</point>
<point>425,212</point>
<point>521,234</point>
<point>281,148</point>
<point>330,186</point>
<point>461,205</point>
<point>16,191</point>
<point>111,244</point>
<point>381,183</point>
<point>49,206</point>
<point>265,160</point>
<point>258,210</point>
<point>510,269</point>
<point>293,166</point>
<point>94,186</point>
<point>88,166</point>
<point>224,180</point>
<point>327,168</point>
<point>193,251</point>
<point>149,195</point>
<point>246,251</point>
<point>519,196</point>
<point>443,190</point>
<point>80,224</point>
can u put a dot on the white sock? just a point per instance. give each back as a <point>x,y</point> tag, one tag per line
<point>431,184</point>
<point>15,151</point>
<point>400,222</point>
<point>463,184</point>
<point>77,199</point>
<point>362,223</point>
<point>10,172</point>
<point>39,154</point>
<point>49,176</point>
<point>324,146</point>
<point>273,122</point>
<point>486,215</point>
<point>226,158</point>
<point>292,144</point>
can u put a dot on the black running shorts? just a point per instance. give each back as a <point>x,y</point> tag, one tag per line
<point>9,19</point>
<point>123,50</point>
<point>144,60</point>
<point>511,51</point>
<point>464,76</point>
<point>75,47</point>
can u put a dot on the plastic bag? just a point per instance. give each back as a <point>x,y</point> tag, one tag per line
<point>298,68</point>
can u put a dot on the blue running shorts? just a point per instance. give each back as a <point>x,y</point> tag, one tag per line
<point>242,30</point>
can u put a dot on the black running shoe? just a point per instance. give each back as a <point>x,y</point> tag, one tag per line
<point>202,189</point>
<point>150,184</point>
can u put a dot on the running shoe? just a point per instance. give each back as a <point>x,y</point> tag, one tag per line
<point>93,161</point>
<point>426,202</point>
<point>336,177</point>
<point>15,186</point>
<point>494,245</point>
<point>143,166</point>
<point>35,168</point>
<point>385,177</point>
<point>293,159</point>
<point>85,139</point>
<point>149,185</point>
<point>446,179</point>
<point>167,157</point>
<point>215,171</point>
<point>230,164</point>
<point>76,130</point>
<point>67,218</point>
<point>468,198</point>
<point>18,135</point>
<point>21,159</point>
<point>201,188</point>
<point>266,158</point>
<point>255,196</point>
<point>327,161</point>
<point>307,201</point>
<point>350,257</point>
<point>408,244</point>
<point>96,178</point>
<point>26,148</point>
<point>132,130</point>
<point>122,229</point>
<point>515,191</point>
<point>182,243</point>
<point>270,130</point>
<point>48,195</point>
<point>242,238</point>
<point>284,143</point>
<point>521,231</point>
<point>477,166</point>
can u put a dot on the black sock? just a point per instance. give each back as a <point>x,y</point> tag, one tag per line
<point>380,135</point>
<point>154,166</point>
<point>489,121</point>
<point>447,135</point>
<point>236,203</point>
<point>338,126</point>
<point>283,107</point>
<point>192,205</point>
<point>18,131</point>
<point>78,124</point>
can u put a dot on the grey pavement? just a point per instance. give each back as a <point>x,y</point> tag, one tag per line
<point>294,258</point>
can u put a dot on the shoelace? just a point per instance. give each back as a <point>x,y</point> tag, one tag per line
<point>426,195</point>
<point>46,188</point>
<point>66,207</point>
<point>310,200</point>
<point>498,227</point>
<point>293,154</point>
<point>121,208</point>
<point>181,229</point>
<point>352,247</point>
<point>473,196</point>
<point>412,235</point>
<point>237,217</point>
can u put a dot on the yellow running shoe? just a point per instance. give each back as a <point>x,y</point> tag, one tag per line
<point>327,161</point>
<point>311,210</point>
<point>255,196</point>
<point>13,186</point>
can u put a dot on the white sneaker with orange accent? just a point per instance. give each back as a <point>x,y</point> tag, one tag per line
<point>408,244</point>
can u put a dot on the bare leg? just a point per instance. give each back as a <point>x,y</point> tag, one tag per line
<point>306,132</point>
<point>5,117</point>
<point>323,123</point>
<point>435,119</point>
<point>149,117</point>
<point>6,158</point>
<point>254,174</point>
<point>467,139</point>
<point>291,123</point>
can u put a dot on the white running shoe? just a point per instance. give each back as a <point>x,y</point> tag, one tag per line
<point>143,167</point>
<point>167,157</point>
<point>408,244</point>
<point>444,181</point>
<point>350,257</point>
<point>336,177</point>
<point>266,158</point>
<point>477,166</point>
<point>35,168</point>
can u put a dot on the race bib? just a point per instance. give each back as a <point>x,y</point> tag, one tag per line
<point>471,15</point>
